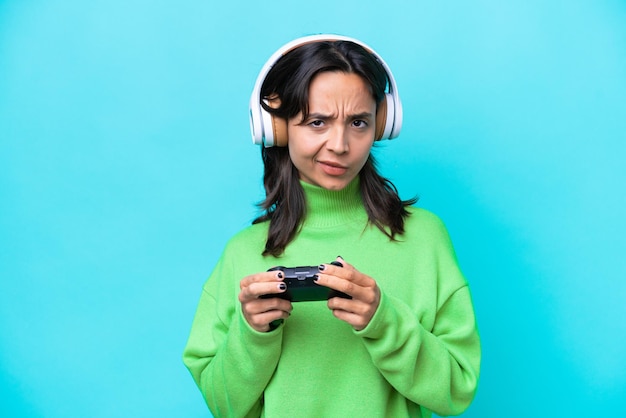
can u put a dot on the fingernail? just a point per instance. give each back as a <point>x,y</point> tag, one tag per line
<point>275,324</point>
<point>280,274</point>
<point>316,277</point>
<point>340,257</point>
<point>282,286</point>
<point>322,267</point>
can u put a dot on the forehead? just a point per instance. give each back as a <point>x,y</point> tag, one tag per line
<point>332,88</point>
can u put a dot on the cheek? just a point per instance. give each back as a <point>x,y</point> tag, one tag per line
<point>300,149</point>
<point>364,155</point>
<point>297,150</point>
<point>298,156</point>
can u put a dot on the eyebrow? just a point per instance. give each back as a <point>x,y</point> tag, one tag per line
<point>362,115</point>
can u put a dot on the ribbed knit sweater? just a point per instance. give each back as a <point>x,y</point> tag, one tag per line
<point>419,353</point>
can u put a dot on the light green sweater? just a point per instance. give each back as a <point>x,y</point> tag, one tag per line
<point>420,352</point>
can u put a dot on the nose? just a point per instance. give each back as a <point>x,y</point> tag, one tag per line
<point>337,140</point>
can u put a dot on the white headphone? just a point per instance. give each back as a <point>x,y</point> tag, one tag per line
<point>271,131</point>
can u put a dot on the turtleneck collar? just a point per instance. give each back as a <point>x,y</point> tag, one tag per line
<point>328,208</point>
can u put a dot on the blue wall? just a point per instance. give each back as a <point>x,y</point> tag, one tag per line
<point>126,163</point>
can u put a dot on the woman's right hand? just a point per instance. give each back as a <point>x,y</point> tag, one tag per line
<point>261,312</point>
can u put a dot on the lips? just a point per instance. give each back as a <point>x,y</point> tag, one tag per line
<point>332,168</point>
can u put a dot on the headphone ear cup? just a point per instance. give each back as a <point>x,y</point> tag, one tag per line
<point>385,115</point>
<point>256,123</point>
<point>279,131</point>
<point>274,127</point>
<point>381,119</point>
<point>267,132</point>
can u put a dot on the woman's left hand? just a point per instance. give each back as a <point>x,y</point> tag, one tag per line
<point>365,293</point>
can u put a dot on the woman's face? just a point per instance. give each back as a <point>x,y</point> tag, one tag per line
<point>330,147</point>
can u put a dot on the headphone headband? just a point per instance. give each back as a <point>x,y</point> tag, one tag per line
<point>264,126</point>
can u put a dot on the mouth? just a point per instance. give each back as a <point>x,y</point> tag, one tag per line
<point>332,168</point>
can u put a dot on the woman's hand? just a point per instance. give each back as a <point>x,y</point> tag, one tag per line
<point>365,293</point>
<point>261,312</point>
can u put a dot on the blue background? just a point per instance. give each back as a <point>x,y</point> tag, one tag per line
<point>126,163</point>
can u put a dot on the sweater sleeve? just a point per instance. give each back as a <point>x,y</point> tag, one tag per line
<point>433,363</point>
<point>230,361</point>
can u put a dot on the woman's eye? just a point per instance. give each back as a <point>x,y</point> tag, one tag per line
<point>316,123</point>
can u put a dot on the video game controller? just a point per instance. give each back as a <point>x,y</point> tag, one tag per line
<point>302,288</point>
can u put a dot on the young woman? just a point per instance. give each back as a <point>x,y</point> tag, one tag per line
<point>401,341</point>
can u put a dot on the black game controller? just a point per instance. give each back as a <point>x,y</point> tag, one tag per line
<point>302,288</point>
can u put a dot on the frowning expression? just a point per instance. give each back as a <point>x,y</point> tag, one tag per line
<point>332,144</point>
